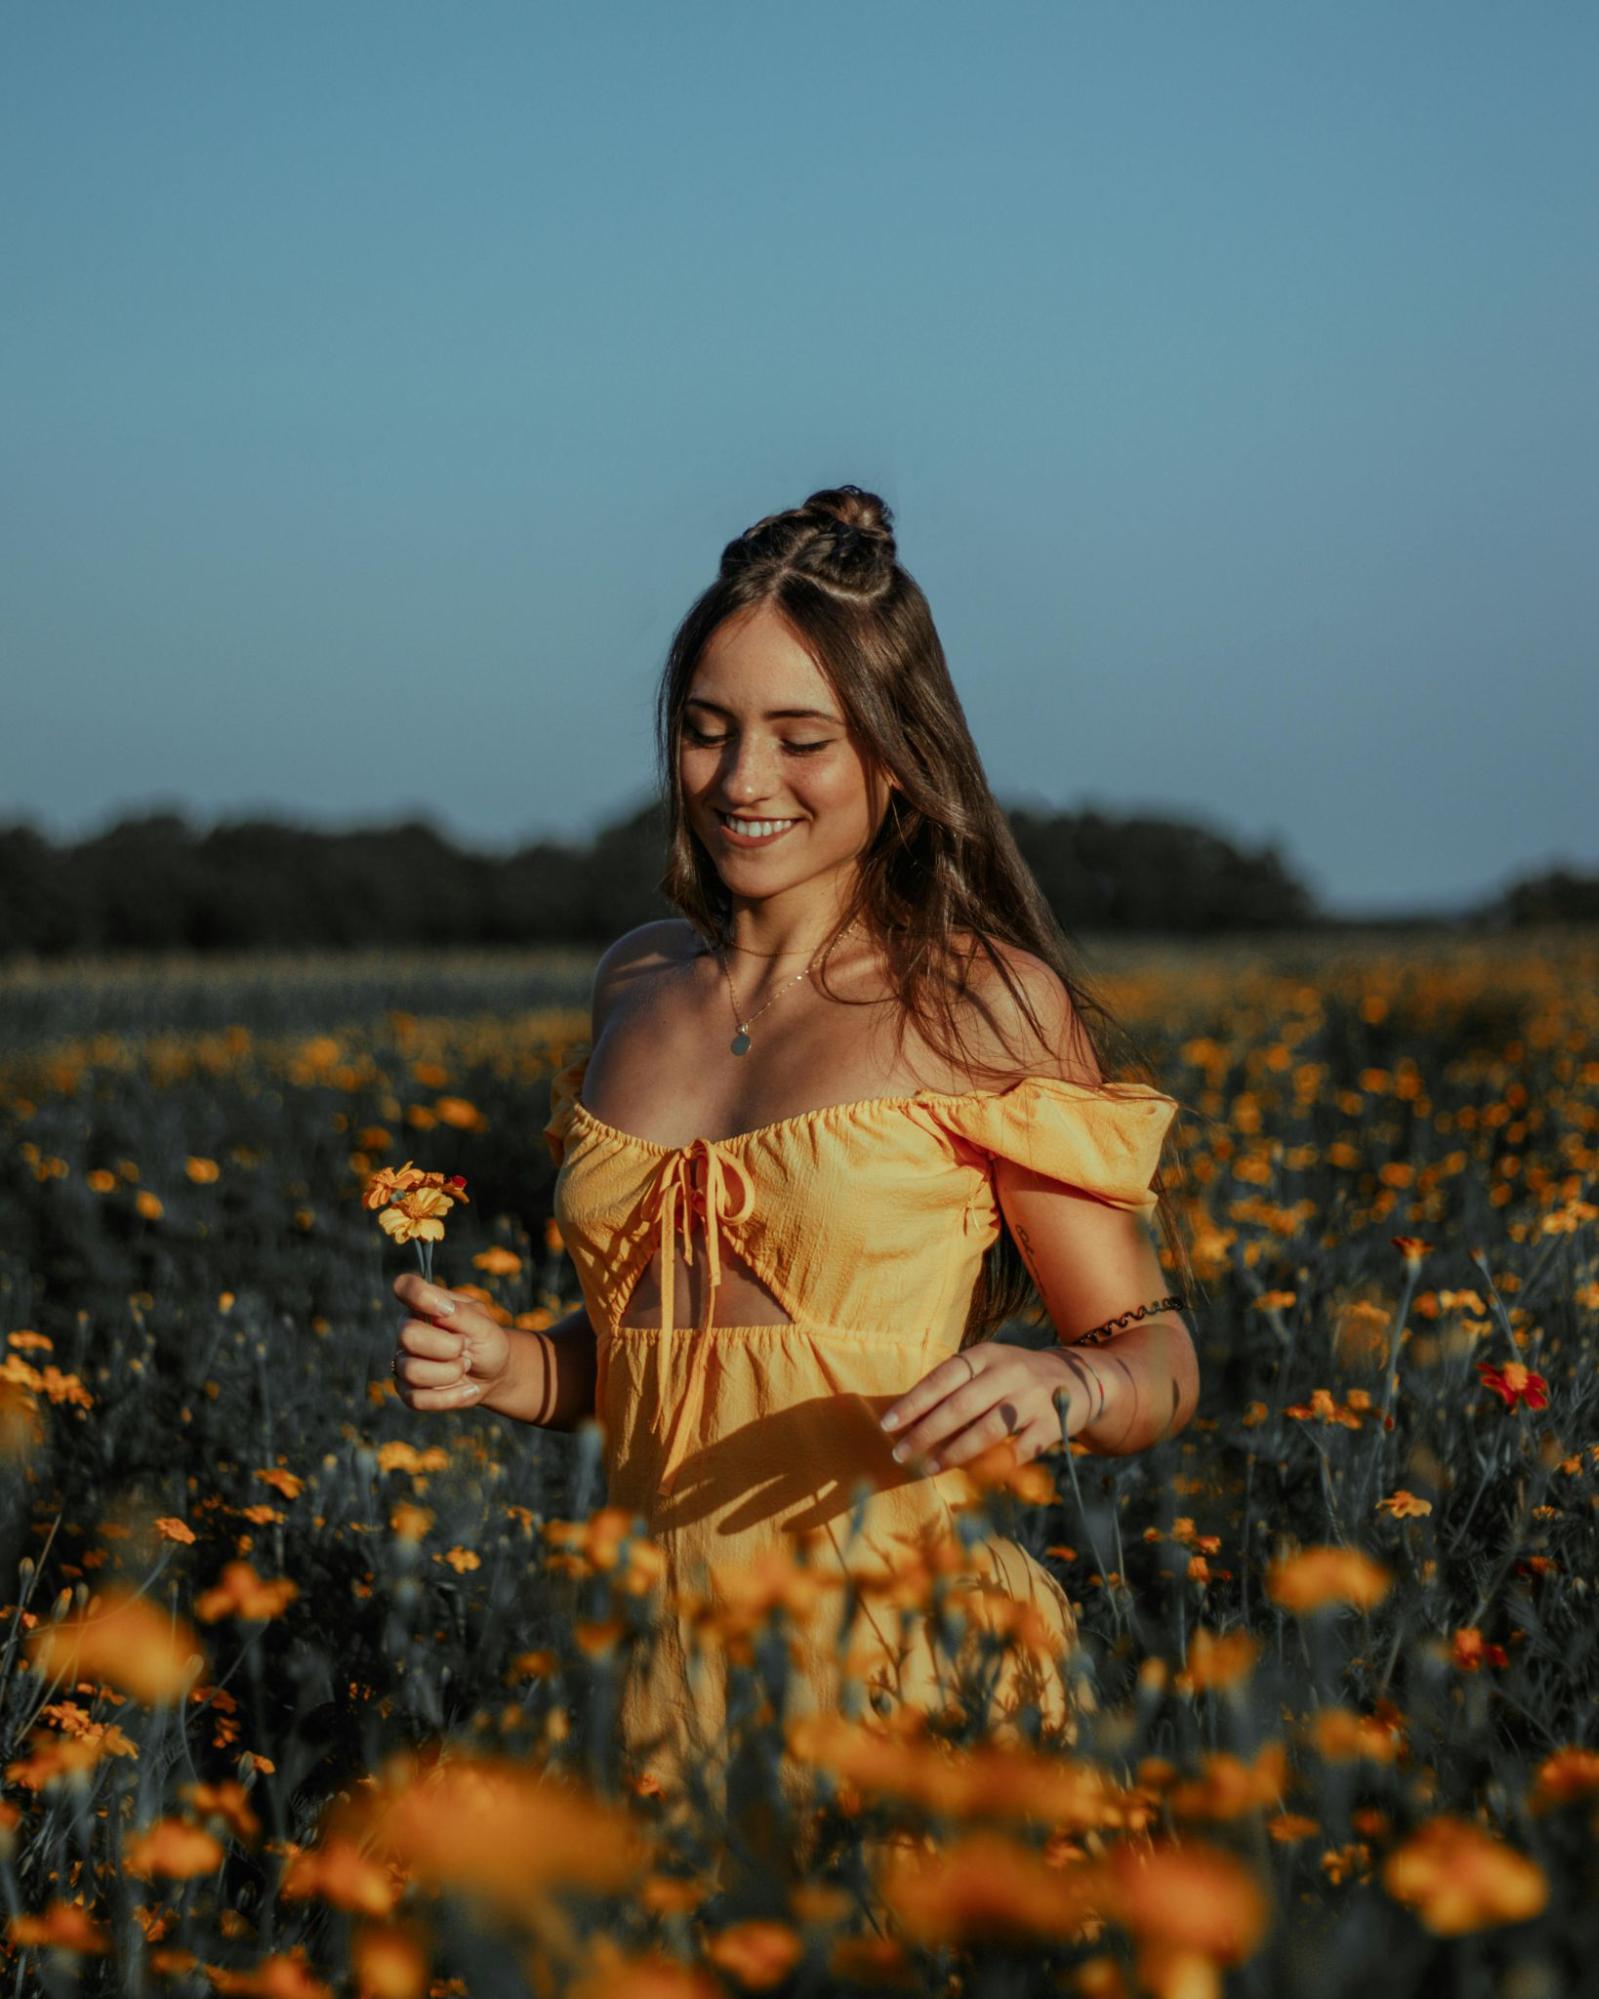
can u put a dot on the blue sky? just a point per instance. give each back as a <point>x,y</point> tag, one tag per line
<point>379,383</point>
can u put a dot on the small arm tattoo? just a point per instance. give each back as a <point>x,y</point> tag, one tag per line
<point>1097,1335</point>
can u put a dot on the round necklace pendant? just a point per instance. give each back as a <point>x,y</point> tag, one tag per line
<point>740,1043</point>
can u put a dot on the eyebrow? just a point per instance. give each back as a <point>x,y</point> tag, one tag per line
<point>772,714</point>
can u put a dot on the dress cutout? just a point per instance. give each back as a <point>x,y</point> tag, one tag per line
<point>867,1222</point>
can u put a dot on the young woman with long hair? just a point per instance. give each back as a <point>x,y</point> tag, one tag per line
<point>836,1122</point>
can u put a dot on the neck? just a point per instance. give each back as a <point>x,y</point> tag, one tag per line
<point>789,926</point>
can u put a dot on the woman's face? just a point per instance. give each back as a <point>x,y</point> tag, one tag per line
<point>764,742</point>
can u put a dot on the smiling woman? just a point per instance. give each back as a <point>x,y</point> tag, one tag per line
<point>833,1126</point>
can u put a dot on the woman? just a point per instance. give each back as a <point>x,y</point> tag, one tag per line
<point>835,1123</point>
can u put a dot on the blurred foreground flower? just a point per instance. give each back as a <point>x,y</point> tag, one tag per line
<point>128,1643</point>
<point>1315,1577</point>
<point>242,1593</point>
<point>62,1926</point>
<point>497,1832</point>
<point>1459,1878</point>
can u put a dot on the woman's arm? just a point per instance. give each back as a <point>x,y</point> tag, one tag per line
<point>1142,1384</point>
<point>549,1378</point>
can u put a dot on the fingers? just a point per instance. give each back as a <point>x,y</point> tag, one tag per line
<point>941,1403</point>
<point>432,1299</point>
<point>432,1369</point>
<point>430,1342</point>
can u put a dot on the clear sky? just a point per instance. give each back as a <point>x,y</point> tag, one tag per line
<point>379,383</point>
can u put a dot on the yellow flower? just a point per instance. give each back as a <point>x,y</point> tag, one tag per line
<point>417,1216</point>
<point>497,1261</point>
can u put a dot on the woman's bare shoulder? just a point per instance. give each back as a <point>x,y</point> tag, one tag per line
<point>640,953</point>
<point>1018,1016</point>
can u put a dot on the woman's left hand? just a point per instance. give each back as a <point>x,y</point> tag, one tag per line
<point>989,1392</point>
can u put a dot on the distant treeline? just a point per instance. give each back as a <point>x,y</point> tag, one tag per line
<point>153,883</point>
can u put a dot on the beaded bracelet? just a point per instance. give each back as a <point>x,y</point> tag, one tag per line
<point>1099,1334</point>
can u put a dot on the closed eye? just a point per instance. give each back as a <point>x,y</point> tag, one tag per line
<point>715,742</point>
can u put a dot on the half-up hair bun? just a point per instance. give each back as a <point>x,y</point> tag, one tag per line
<point>842,531</point>
<point>855,510</point>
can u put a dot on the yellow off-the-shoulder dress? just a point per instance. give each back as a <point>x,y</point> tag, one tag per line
<point>866,1223</point>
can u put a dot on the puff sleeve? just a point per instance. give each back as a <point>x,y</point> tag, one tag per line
<point>1104,1139</point>
<point>565,1086</point>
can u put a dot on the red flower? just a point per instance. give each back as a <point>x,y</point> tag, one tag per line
<point>1515,1383</point>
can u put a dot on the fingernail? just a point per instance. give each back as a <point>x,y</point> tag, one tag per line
<point>443,1306</point>
<point>899,1453</point>
<point>890,1421</point>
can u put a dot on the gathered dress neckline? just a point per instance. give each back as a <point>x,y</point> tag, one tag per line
<point>891,1102</point>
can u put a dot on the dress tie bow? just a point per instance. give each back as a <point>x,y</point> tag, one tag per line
<point>699,1182</point>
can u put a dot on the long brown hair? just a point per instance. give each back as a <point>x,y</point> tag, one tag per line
<point>942,863</point>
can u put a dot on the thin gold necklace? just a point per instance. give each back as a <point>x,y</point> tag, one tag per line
<point>740,1044</point>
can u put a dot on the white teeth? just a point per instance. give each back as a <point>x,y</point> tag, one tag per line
<point>757,829</point>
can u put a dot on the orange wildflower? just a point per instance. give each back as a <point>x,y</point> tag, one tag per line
<point>1469,1650</point>
<point>1314,1577</point>
<point>242,1593</point>
<point>1190,1898</point>
<point>758,1953</point>
<point>1323,1407</point>
<point>60,1926</point>
<point>228,1801</point>
<point>1412,1249</point>
<point>417,1216</point>
<point>1228,1786</point>
<point>493,1829</point>
<point>1514,1383</point>
<point>390,1961</point>
<point>1566,1775</point>
<point>127,1642</point>
<point>1459,1878</point>
<point>172,1847</point>
<point>497,1261</point>
<point>984,1886</point>
<point>1340,1735</point>
<point>340,1873</point>
<point>172,1529</point>
<point>1404,1505</point>
<point>1216,1662</point>
<point>284,1975</point>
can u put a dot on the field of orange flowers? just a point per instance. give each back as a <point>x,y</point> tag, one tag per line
<point>302,1692</point>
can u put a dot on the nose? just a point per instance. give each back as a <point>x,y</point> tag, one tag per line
<point>750,774</point>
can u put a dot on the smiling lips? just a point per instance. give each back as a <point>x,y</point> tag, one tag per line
<point>753,832</point>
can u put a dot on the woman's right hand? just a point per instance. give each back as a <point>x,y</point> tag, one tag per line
<point>451,1354</point>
